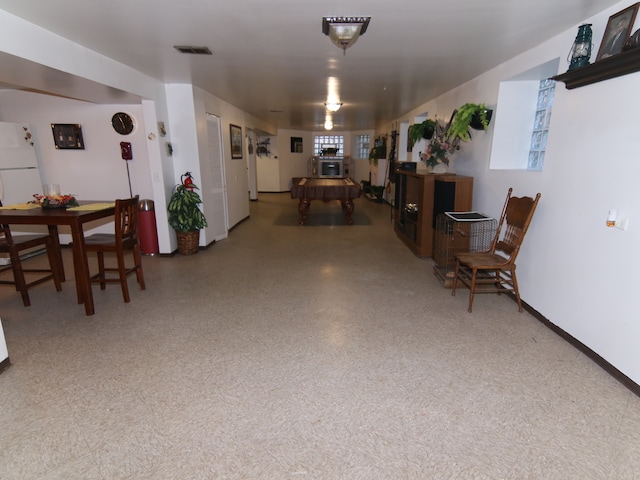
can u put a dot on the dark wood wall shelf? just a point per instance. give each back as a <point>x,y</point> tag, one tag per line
<point>605,69</point>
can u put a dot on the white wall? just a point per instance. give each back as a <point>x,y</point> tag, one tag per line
<point>292,164</point>
<point>573,269</point>
<point>30,56</point>
<point>236,173</point>
<point>276,171</point>
<point>95,173</point>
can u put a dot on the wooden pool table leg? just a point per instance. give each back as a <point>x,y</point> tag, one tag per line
<point>303,209</point>
<point>347,206</point>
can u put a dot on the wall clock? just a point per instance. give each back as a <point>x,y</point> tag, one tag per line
<point>122,123</point>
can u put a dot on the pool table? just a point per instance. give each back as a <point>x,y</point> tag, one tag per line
<point>305,189</point>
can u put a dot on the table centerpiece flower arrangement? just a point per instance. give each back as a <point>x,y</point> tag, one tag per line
<point>439,147</point>
<point>54,201</point>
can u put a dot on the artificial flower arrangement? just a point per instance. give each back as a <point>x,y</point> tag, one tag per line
<point>55,201</point>
<point>440,146</point>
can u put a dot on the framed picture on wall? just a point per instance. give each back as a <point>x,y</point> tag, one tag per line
<point>296,144</point>
<point>67,136</point>
<point>618,30</point>
<point>236,141</point>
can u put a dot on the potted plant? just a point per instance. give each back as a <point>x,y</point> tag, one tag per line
<point>469,115</point>
<point>424,130</point>
<point>185,216</point>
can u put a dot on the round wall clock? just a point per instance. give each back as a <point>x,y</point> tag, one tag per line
<point>122,123</point>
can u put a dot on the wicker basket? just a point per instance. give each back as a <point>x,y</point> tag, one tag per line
<point>188,242</point>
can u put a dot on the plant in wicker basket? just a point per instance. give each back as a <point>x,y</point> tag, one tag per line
<point>185,216</point>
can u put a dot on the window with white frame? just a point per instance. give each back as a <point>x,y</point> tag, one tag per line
<point>541,124</point>
<point>362,146</point>
<point>336,140</point>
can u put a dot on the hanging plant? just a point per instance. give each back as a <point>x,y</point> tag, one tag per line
<point>421,130</point>
<point>463,118</point>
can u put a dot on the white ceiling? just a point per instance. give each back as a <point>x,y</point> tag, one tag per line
<point>272,55</point>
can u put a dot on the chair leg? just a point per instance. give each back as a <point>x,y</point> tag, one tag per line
<point>18,275</point>
<point>101,272</point>
<point>137,258</point>
<point>122,274</point>
<point>472,288</point>
<point>455,278</point>
<point>515,289</point>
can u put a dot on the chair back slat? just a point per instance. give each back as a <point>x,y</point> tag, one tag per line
<point>515,219</point>
<point>126,219</point>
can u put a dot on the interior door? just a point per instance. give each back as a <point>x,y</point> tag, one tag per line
<point>214,184</point>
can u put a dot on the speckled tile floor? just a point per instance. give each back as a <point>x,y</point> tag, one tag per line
<point>289,352</point>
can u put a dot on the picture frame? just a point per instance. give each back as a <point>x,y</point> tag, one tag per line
<point>296,145</point>
<point>67,136</point>
<point>236,141</point>
<point>618,30</point>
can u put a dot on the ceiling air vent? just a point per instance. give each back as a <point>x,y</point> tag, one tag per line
<point>193,50</point>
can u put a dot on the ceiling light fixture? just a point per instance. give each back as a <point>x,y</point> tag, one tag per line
<point>333,106</point>
<point>328,122</point>
<point>344,31</point>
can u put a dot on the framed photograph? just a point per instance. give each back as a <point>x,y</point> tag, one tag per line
<point>236,141</point>
<point>618,30</point>
<point>67,136</point>
<point>296,144</point>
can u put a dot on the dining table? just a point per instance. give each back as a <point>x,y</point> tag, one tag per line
<point>73,217</point>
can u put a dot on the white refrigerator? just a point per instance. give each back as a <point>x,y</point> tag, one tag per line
<point>19,174</point>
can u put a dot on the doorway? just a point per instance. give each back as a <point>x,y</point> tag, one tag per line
<point>214,191</point>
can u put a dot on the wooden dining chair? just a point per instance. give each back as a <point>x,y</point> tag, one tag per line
<point>14,245</point>
<point>494,271</point>
<point>126,238</point>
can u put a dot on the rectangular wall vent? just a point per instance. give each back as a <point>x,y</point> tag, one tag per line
<point>193,50</point>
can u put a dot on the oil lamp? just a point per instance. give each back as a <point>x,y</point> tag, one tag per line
<point>581,49</point>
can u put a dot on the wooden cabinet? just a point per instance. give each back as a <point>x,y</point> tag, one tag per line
<point>420,198</point>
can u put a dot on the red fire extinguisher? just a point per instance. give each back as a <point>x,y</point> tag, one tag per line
<point>187,181</point>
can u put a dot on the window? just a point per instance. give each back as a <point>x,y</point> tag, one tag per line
<point>320,140</point>
<point>522,119</point>
<point>541,124</point>
<point>362,146</point>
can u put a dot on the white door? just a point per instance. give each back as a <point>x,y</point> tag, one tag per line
<point>214,185</point>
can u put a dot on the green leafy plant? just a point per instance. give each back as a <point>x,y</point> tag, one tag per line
<point>184,209</point>
<point>464,116</point>
<point>377,153</point>
<point>424,129</point>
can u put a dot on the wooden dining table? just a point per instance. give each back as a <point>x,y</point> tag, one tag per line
<point>75,219</point>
